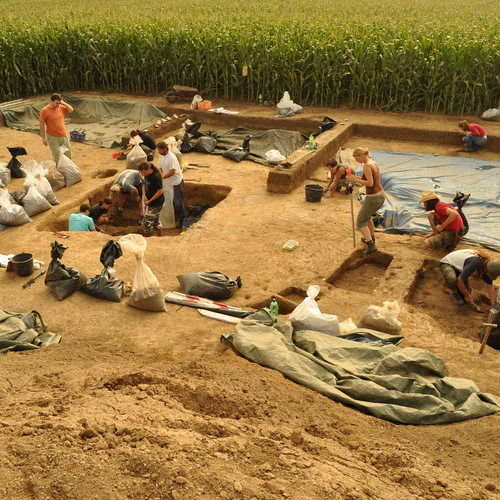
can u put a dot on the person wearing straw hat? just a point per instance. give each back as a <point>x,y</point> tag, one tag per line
<point>458,266</point>
<point>446,223</point>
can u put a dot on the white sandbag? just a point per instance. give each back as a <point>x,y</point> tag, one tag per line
<point>492,115</point>
<point>274,156</point>
<point>307,315</point>
<point>36,177</point>
<point>11,214</point>
<point>286,107</point>
<point>146,292</point>
<point>5,176</point>
<point>136,155</point>
<point>347,326</point>
<point>383,319</point>
<point>66,166</point>
<point>172,144</point>
<point>34,202</point>
<point>55,178</point>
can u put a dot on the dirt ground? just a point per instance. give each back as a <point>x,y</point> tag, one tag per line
<point>139,405</point>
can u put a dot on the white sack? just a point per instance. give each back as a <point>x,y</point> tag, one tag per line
<point>383,319</point>
<point>307,315</point>
<point>34,202</point>
<point>136,155</point>
<point>66,166</point>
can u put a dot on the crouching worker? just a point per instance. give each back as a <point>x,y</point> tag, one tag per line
<point>459,265</point>
<point>446,223</point>
<point>338,179</point>
<point>475,136</point>
<point>81,221</point>
<point>100,212</point>
<point>152,192</point>
<point>128,183</point>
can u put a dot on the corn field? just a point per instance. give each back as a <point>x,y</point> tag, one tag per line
<point>384,56</point>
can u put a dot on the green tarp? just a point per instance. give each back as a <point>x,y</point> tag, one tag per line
<point>22,332</point>
<point>285,141</point>
<point>105,120</point>
<point>403,385</point>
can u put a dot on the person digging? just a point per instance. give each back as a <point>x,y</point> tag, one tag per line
<point>100,212</point>
<point>446,223</point>
<point>374,199</point>
<point>338,179</point>
<point>127,184</point>
<point>475,136</point>
<point>458,266</point>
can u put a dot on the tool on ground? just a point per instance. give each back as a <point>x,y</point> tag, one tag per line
<point>61,235</point>
<point>197,179</point>
<point>202,303</point>
<point>350,185</point>
<point>488,325</point>
<point>32,280</point>
<point>219,317</point>
<point>205,165</point>
<point>418,235</point>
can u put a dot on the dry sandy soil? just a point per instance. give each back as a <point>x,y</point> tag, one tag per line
<point>134,404</point>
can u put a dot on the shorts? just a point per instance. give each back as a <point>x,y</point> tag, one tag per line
<point>370,206</point>
<point>151,219</point>
<point>445,239</point>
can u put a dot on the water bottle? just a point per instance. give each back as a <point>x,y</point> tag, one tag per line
<point>274,310</point>
<point>261,100</point>
<point>310,145</point>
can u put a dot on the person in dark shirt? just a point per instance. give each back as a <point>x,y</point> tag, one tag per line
<point>458,266</point>
<point>100,211</point>
<point>152,192</point>
<point>147,139</point>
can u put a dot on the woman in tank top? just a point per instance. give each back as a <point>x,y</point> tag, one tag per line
<point>374,197</point>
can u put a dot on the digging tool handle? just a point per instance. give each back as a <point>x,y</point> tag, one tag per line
<point>205,165</point>
<point>32,280</point>
<point>486,335</point>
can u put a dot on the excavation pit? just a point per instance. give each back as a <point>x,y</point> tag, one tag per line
<point>286,306</point>
<point>104,174</point>
<point>297,295</point>
<point>129,221</point>
<point>361,273</point>
<point>430,294</point>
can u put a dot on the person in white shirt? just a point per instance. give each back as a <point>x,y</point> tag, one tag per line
<point>173,186</point>
<point>459,265</point>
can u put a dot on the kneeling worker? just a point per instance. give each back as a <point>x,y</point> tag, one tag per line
<point>152,192</point>
<point>447,224</point>
<point>459,265</point>
<point>129,182</point>
<point>81,221</point>
<point>100,211</point>
<point>338,179</point>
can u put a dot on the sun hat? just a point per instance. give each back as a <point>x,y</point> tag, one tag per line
<point>493,268</point>
<point>428,195</point>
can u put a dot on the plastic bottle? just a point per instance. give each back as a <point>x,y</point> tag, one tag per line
<point>274,310</point>
<point>261,100</point>
<point>310,145</point>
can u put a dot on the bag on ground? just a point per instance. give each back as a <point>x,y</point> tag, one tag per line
<point>382,318</point>
<point>211,285</point>
<point>241,153</point>
<point>205,144</point>
<point>136,155</point>
<point>55,178</point>
<point>274,156</point>
<point>307,315</point>
<point>5,176</point>
<point>492,114</point>
<point>186,146</point>
<point>171,142</point>
<point>286,107</point>
<point>35,177</point>
<point>11,214</point>
<point>67,167</point>
<point>34,203</point>
<point>14,164</point>
<point>61,280</point>
<point>146,292</point>
<point>105,285</point>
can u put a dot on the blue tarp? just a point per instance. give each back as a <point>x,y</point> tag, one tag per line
<point>406,175</point>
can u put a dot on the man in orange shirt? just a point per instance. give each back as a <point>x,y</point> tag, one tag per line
<point>52,128</point>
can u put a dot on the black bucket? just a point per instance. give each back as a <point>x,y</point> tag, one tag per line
<point>23,264</point>
<point>314,193</point>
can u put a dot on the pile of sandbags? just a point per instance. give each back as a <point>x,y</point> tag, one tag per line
<point>11,214</point>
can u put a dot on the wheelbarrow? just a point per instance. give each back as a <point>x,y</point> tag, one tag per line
<point>181,93</point>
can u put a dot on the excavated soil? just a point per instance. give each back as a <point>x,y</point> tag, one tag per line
<point>141,405</point>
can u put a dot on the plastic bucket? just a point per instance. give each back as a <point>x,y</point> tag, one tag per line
<point>23,264</point>
<point>314,193</point>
